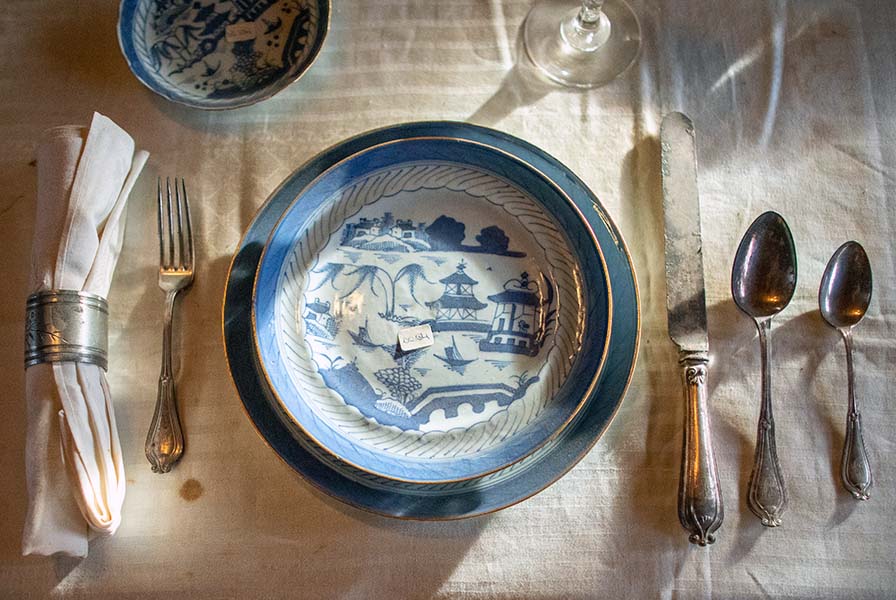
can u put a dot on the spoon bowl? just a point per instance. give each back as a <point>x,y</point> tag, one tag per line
<point>764,275</point>
<point>845,291</point>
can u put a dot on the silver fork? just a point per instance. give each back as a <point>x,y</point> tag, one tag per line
<point>165,440</point>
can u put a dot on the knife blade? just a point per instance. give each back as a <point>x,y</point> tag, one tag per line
<point>685,292</point>
<point>700,508</point>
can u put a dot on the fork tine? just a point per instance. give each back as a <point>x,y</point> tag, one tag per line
<point>161,239</point>
<point>181,260</point>
<point>170,262</point>
<point>190,256</point>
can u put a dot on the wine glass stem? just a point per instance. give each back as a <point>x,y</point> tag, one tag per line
<point>586,29</point>
<point>590,13</point>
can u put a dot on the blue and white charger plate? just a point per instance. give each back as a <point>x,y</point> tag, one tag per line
<point>494,263</point>
<point>220,54</point>
<point>448,500</point>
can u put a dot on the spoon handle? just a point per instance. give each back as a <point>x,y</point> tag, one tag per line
<point>855,469</point>
<point>700,509</point>
<point>767,496</point>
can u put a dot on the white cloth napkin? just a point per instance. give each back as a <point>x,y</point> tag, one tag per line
<point>73,462</point>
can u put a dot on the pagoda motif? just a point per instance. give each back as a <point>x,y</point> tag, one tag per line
<point>458,309</point>
<point>518,325</point>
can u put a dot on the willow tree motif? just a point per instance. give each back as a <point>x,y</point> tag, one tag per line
<point>373,277</point>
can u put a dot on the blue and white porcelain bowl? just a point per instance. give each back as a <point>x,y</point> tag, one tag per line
<point>220,54</point>
<point>453,500</point>
<point>488,255</point>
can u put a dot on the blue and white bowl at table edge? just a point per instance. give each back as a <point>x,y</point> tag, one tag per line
<point>328,302</point>
<point>225,54</point>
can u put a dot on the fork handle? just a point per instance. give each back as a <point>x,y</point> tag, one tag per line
<point>165,440</point>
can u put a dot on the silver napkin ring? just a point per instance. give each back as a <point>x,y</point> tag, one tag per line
<point>66,325</point>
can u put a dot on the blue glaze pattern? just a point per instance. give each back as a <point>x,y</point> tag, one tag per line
<point>446,501</point>
<point>413,416</point>
<point>220,54</point>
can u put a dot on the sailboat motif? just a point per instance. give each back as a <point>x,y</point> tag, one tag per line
<point>362,337</point>
<point>453,357</point>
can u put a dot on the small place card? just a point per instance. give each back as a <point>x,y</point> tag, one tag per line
<point>414,338</point>
<point>240,32</point>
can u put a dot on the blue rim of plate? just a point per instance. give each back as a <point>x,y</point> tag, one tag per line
<point>301,216</point>
<point>139,58</point>
<point>419,502</point>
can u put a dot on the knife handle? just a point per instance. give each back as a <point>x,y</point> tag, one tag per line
<point>700,508</point>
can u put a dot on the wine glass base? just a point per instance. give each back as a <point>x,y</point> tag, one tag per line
<point>552,53</point>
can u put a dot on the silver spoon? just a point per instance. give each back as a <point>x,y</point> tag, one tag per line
<point>843,298</point>
<point>763,280</point>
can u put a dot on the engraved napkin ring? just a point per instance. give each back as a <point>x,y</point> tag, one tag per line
<point>66,325</point>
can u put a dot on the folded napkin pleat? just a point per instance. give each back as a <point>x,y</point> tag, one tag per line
<point>54,522</point>
<point>93,462</point>
<point>74,466</point>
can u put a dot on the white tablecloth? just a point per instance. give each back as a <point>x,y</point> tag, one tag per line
<point>795,105</point>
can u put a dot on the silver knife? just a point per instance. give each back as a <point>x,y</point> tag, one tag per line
<point>700,507</point>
